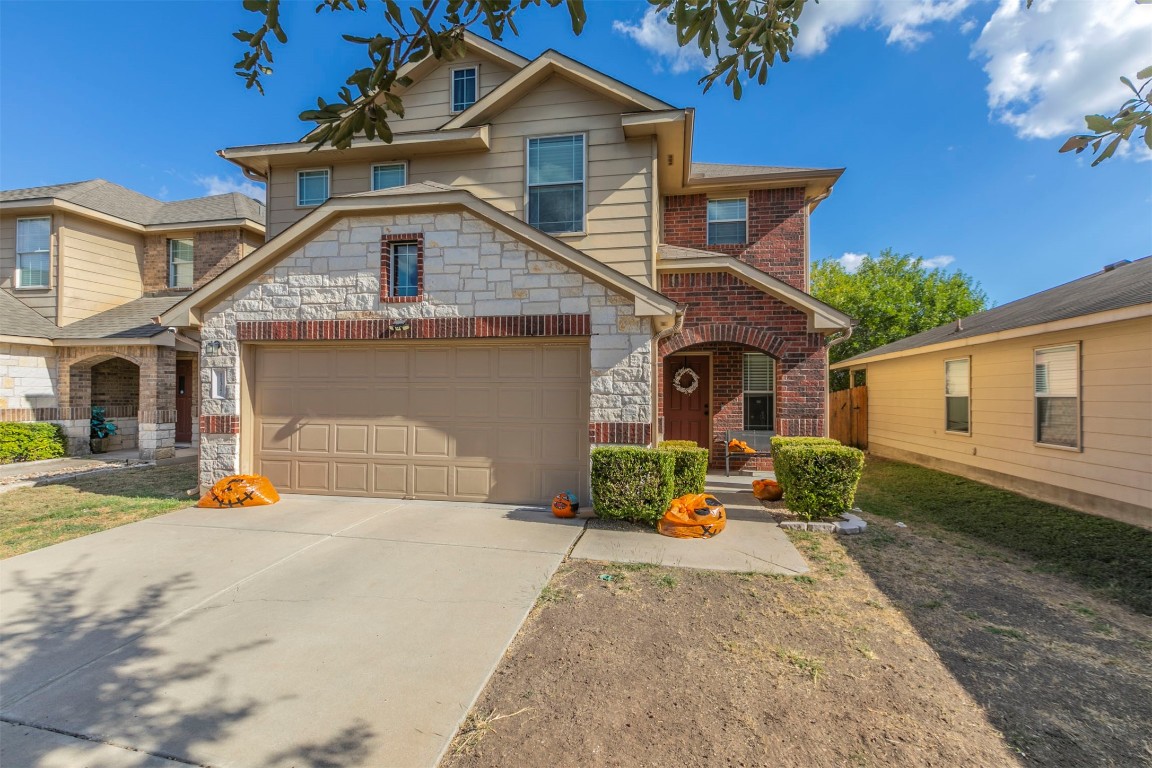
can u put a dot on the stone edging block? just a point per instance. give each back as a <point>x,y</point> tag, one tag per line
<point>848,524</point>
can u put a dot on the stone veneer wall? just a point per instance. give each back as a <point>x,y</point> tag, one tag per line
<point>470,270</point>
<point>27,381</point>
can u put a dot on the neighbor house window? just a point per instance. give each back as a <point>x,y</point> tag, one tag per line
<point>759,391</point>
<point>311,187</point>
<point>388,175</point>
<point>464,85</point>
<point>33,252</point>
<point>727,222</point>
<point>180,264</point>
<point>956,384</point>
<point>1056,377</point>
<point>404,277</point>
<point>556,183</point>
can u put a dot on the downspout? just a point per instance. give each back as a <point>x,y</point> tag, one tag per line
<point>677,327</point>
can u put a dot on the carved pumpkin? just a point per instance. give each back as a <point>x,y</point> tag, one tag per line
<point>695,516</point>
<point>565,504</point>
<point>767,490</point>
<point>240,491</point>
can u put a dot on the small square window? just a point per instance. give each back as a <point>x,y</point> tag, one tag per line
<point>727,222</point>
<point>180,264</point>
<point>311,187</point>
<point>387,175</point>
<point>464,85</point>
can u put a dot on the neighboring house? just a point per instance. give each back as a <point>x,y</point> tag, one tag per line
<point>1049,396</point>
<point>84,269</point>
<point>518,276</point>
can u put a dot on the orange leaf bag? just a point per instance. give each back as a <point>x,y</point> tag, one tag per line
<point>767,490</point>
<point>565,504</point>
<point>739,446</point>
<point>695,516</point>
<point>240,491</point>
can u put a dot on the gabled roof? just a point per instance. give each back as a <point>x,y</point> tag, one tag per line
<point>1116,287</point>
<point>422,196</point>
<point>130,206</point>
<point>132,320</point>
<point>18,319</point>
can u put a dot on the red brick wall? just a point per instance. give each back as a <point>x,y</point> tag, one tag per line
<point>775,231</point>
<point>213,251</point>
<point>116,384</point>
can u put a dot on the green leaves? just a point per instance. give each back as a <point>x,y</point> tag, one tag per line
<point>1108,132</point>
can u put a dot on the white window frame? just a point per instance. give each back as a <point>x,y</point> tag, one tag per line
<point>771,391</point>
<point>583,230</point>
<point>708,222</point>
<point>372,177</point>
<point>1075,347</point>
<point>218,378</point>
<point>171,262</point>
<point>452,86</point>
<point>300,174</point>
<point>392,268</point>
<point>18,277</point>
<point>967,396</point>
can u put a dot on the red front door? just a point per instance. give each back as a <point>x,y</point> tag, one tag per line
<point>686,413</point>
<point>184,384</point>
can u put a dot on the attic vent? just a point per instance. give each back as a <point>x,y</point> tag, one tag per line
<point>1113,265</point>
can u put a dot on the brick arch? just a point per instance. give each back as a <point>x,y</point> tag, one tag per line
<point>91,360</point>
<point>750,336</point>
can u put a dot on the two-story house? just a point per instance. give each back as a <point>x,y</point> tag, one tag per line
<point>84,269</point>
<point>535,265</point>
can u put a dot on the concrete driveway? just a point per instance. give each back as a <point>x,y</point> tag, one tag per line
<point>319,631</point>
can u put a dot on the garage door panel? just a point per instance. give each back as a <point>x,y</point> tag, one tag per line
<point>390,479</point>
<point>430,401</point>
<point>512,483</point>
<point>352,438</point>
<point>563,363</point>
<point>390,440</point>
<point>562,447</point>
<point>516,402</point>
<point>517,363</point>
<point>516,443</point>
<point>277,364</point>
<point>432,363</point>
<point>473,482</point>
<point>278,471</point>
<point>350,477</point>
<point>353,364</point>
<point>390,401</point>
<point>391,363</point>
<point>275,436</point>
<point>562,403</point>
<point>314,438</point>
<point>311,401</point>
<point>430,480</point>
<point>430,441</point>
<point>315,364</point>
<point>475,402</point>
<point>472,442</point>
<point>474,363</point>
<point>279,401</point>
<point>566,480</point>
<point>312,476</point>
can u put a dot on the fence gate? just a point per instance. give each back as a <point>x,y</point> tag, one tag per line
<point>848,416</point>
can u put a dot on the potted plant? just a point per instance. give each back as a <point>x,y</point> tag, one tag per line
<point>101,430</point>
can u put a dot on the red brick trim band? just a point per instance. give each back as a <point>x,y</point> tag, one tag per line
<point>386,296</point>
<point>620,432</point>
<point>414,328</point>
<point>219,425</point>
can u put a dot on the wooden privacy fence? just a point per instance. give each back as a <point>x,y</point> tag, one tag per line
<point>848,416</point>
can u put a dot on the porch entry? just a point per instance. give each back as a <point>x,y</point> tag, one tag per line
<point>184,384</point>
<point>688,398</point>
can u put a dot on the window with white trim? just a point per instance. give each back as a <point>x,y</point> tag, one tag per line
<point>728,222</point>
<point>759,391</point>
<point>312,187</point>
<point>387,175</point>
<point>34,252</point>
<point>1056,387</point>
<point>180,264</point>
<point>404,277</point>
<point>219,383</point>
<point>465,84</point>
<point>957,410</point>
<point>556,183</point>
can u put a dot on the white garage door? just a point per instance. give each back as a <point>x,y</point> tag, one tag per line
<point>467,421</point>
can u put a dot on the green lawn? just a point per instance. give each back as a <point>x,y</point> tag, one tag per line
<point>31,518</point>
<point>1103,554</point>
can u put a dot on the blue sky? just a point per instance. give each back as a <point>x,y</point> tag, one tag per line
<point>948,140</point>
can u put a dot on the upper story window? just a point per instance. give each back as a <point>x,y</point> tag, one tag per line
<point>387,175</point>
<point>556,183</point>
<point>727,222</point>
<point>465,82</point>
<point>33,252</point>
<point>312,187</point>
<point>759,391</point>
<point>1056,380</point>
<point>180,263</point>
<point>957,413</point>
<point>402,268</point>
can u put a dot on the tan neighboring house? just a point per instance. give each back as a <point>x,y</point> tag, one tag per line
<point>534,266</point>
<point>84,269</point>
<point>1049,396</point>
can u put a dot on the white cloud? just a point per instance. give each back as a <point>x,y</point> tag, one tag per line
<point>656,35</point>
<point>1050,65</point>
<point>937,262</point>
<point>219,185</point>
<point>852,261</point>
<point>906,21</point>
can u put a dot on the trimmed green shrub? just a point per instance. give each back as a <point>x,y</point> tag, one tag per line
<point>30,442</point>
<point>690,471</point>
<point>781,441</point>
<point>819,479</point>
<point>678,444</point>
<point>630,483</point>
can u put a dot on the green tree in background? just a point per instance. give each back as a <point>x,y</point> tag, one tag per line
<point>891,297</point>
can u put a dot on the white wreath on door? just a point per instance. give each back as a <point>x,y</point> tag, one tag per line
<point>677,381</point>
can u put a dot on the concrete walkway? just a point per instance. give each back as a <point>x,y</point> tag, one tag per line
<point>751,542</point>
<point>315,632</point>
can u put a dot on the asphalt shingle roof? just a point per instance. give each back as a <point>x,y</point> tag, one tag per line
<point>724,170</point>
<point>123,203</point>
<point>132,320</point>
<point>18,319</point>
<point>1125,285</point>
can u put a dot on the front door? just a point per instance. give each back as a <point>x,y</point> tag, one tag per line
<point>687,397</point>
<point>184,386</point>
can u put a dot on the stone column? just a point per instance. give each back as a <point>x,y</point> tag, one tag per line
<point>158,404</point>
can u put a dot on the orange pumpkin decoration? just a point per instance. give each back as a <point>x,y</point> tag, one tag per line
<point>565,504</point>
<point>695,516</point>
<point>767,490</point>
<point>240,491</point>
<point>739,446</point>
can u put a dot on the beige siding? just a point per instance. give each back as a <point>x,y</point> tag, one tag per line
<point>620,207</point>
<point>906,412</point>
<point>427,104</point>
<point>100,269</point>
<point>43,301</point>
